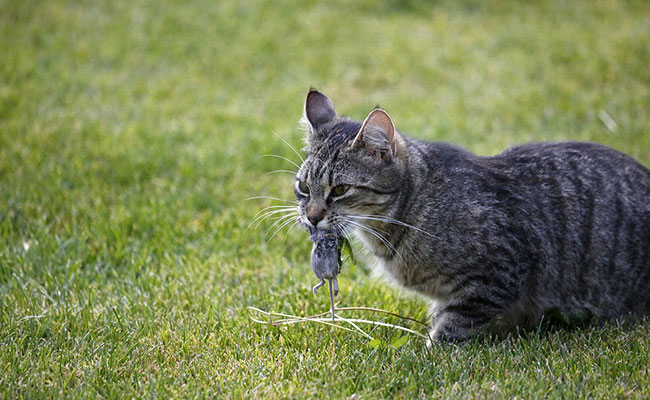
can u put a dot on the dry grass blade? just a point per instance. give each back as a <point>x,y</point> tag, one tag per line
<point>379,310</point>
<point>293,319</point>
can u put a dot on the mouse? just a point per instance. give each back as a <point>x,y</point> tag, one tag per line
<point>326,260</point>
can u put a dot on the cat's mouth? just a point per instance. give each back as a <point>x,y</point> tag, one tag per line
<point>323,224</point>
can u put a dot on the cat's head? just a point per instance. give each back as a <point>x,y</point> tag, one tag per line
<point>353,171</point>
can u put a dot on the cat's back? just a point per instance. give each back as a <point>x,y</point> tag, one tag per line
<point>586,208</point>
<point>579,168</point>
<point>592,155</point>
<point>581,192</point>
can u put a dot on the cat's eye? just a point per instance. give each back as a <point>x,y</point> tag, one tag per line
<point>302,188</point>
<point>340,190</point>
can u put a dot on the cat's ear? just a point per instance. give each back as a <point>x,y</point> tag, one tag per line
<point>377,134</point>
<point>319,109</point>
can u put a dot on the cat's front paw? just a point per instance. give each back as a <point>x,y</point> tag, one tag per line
<point>453,335</point>
<point>451,327</point>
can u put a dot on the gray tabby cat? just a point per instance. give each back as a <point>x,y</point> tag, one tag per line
<point>491,242</point>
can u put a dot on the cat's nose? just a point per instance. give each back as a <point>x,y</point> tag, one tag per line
<point>315,216</point>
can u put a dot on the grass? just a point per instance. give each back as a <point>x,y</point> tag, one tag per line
<point>131,134</point>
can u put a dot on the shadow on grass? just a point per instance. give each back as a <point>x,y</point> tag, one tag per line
<point>554,323</point>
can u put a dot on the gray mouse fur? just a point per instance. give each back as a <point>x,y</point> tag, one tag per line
<point>325,257</point>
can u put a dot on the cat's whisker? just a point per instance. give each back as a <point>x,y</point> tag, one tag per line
<point>381,238</point>
<point>389,220</point>
<point>346,231</point>
<point>289,229</point>
<point>283,215</point>
<point>265,213</point>
<point>383,232</point>
<point>340,228</point>
<point>376,233</point>
<point>281,227</point>
<point>274,207</point>
<point>377,230</point>
<point>269,214</point>
<point>290,146</point>
<point>292,227</point>
<point>270,198</point>
<point>281,171</point>
<point>261,215</point>
<point>281,219</point>
<point>282,158</point>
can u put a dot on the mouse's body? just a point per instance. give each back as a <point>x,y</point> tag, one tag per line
<point>325,255</point>
<point>326,259</point>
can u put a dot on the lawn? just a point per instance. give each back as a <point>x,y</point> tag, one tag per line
<point>132,134</point>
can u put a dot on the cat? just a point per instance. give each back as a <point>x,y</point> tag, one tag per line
<point>491,242</point>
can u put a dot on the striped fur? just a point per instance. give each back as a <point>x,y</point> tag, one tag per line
<point>491,242</point>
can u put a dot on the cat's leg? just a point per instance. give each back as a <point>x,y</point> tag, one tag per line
<point>456,326</point>
<point>461,318</point>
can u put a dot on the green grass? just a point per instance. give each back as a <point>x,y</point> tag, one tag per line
<point>131,134</point>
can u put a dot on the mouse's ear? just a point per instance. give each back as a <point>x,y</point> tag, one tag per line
<point>319,109</point>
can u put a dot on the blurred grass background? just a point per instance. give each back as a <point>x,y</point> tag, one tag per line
<point>131,134</point>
